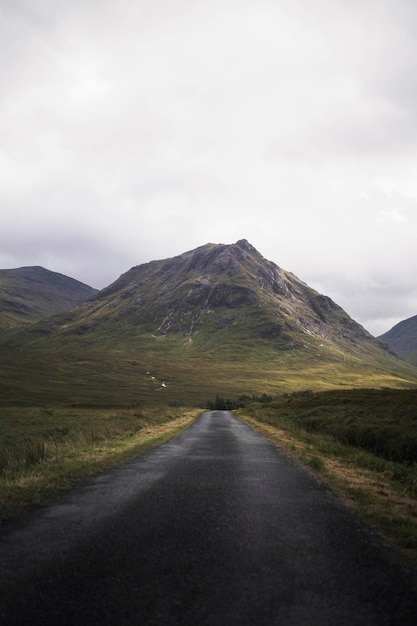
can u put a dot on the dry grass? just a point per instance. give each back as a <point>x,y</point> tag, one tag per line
<point>374,495</point>
<point>38,461</point>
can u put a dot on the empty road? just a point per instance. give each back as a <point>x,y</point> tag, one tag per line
<point>214,527</point>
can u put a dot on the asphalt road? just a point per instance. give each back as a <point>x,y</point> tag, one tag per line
<point>214,527</point>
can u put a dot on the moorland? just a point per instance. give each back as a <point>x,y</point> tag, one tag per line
<point>219,327</point>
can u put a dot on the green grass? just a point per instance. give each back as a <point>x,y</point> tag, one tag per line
<point>362,443</point>
<point>44,450</point>
<point>382,421</point>
<point>103,373</point>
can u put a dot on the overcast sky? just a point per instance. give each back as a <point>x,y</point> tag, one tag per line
<point>134,130</point>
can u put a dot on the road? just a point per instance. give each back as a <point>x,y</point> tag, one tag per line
<point>215,527</point>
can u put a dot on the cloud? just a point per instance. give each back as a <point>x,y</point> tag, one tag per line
<point>391,217</point>
<point>133,131</point>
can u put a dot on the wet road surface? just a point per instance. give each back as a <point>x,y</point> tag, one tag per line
<point>215,527</point>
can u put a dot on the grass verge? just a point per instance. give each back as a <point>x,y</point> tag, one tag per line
<point>382,492</point>
<point>45,451</point>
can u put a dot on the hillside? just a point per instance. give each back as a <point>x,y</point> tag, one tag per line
<point>28,294</point>
<point>220,318</point>
<point>402,339</point>
<point>207,297</point>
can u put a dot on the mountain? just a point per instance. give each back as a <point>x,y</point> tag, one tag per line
<point>206,297</point>
<point>28,294</point>
<point>218,319</point>
<point>402,339</point>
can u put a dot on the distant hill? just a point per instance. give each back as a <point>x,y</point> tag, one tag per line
<point>217,319</point>
<point>402,339</point>
<point>28,294</point>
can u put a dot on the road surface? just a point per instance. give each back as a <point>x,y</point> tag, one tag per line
<point>215,527</point>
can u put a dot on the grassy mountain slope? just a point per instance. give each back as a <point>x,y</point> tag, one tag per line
<point>402,339</point>
<point>28,294</point>
<point>218,319</point>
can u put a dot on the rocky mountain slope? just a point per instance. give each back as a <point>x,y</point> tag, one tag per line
<point>217,319</point>
<point>210,294</point>
<point>28,294</point>
<point>402,339</point>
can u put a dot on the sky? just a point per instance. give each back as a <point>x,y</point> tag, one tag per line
<point>135,130</point>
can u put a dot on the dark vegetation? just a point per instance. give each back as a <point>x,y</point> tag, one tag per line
<point>381,421</point>
<point>226,404</point>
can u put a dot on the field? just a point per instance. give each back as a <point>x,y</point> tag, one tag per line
<point>361,442</point>
<point>45,450</point>
<point>127,375</point>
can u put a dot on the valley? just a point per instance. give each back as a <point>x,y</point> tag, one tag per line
<point>90,382</point>
<point>218,319</point>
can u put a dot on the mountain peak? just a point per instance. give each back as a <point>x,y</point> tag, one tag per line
<point>217,258</point>
<point>220,317</point>
<point>228,288</point>
<point>245,245</point>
